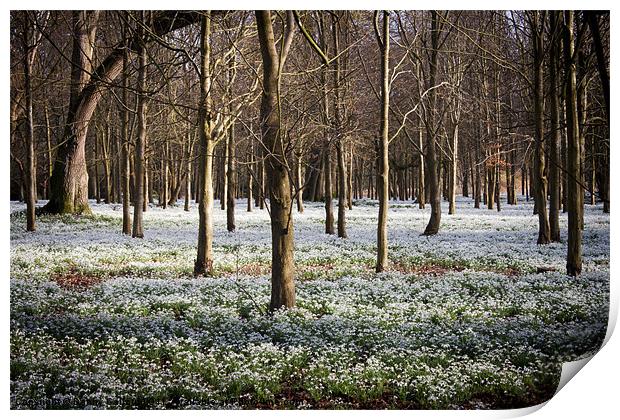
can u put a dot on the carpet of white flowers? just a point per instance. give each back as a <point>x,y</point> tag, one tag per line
<point>478,316</point>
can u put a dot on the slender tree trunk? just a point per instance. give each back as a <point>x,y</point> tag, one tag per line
<point>141,140</point>
<point>383,144</point>
<point>188,169</point>
<point>555,138</point>
<point>478,184</point>
<point>204,259</point>
<point>573,259</point>
<point>223,193</point>
<point>50,161</point>
<point>350,179</point>
<point>421,175</point>
<point>31,174</point>
<point>299,180</point>
<point>232,180</point>
<point>96,170</point>
<point>340,153</point>
<point>125,154</point>
<point>106,166</point>
<point>327,177</point>
<point>453,169</point>
<point>544,233</point>
<point>147,191</point>
<point>251,167</point>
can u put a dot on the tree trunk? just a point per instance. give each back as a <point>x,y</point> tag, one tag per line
<point>421,175</point>
<point>453,169</point>
<point>435,198</point>
<point>544,233</point>
<point>232,180</point>
<point>383,143</point>
<point>141,140</point>
<point>188,169</point>
<point>31,174</point>
<point>69,182</point>
<point>282,233</point>
<point>50,161</point>
<point>97,182</point>
<point>573,259</point>
<point>299,182</point>
<point>106,165</point>
<point>328,197</point>
<point>250,167</point>
<point>555,138</point>
<point>600,55</point>
<point>204,259</point>
<point>125,155</point>
<point>340,153</point>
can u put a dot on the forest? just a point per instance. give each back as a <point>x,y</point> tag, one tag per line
<point>306,209</point>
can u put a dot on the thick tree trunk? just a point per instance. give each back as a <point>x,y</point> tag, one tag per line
<point>282,233</point>
<point>69,182</point>
<point>431,156</point>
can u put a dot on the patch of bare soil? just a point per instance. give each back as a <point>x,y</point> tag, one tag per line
<point>75,280</point>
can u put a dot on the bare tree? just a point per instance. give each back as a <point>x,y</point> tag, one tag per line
<point>282,233</point>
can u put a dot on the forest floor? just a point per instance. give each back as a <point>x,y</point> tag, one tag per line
<point>478,316</point>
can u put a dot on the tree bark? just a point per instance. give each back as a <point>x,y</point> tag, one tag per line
<point>282,233</point>
<point>340,153</point>
<point>231,174</point>
<point>573,259</point>
<point>126,163</point>
<point>383,171</point>
<point>141,140</point>
<point>544,233</point>
<point>31,170</point>
<point>432,167</point>
<point>204,259</point>
<point>555,138</point>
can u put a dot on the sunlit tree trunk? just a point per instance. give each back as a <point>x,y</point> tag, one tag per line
<point>204,259</point>
<point>282,233</point>
<point>383,171</point>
